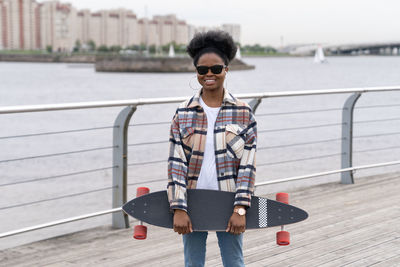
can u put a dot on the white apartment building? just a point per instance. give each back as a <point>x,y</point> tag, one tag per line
<point>96,32</point>
<point>18,20</point>
<point>2,26</point>
<point>191,31</point>
<point>233,30</point>
<point>170,29</point>
<point>129,28</point>
<point>206,28</point>
<point>112,28</point>
<point>153,38</point>
<point>148,32</point>
<point>109,28</point>
<point>83,26</point>
<point>58,26</point>
<point>182,33</point>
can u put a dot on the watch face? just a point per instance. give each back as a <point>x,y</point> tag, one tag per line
<point>241,211</point>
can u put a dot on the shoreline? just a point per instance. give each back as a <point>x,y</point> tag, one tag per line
<point>119,63</point>
<point>91,58</point>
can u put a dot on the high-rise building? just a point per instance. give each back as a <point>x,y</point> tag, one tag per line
<point>148,31</point>
<point>170,29</point>
<point>83,26</point>
<point>3,25</point>
<point>19,24</point>
<point>191,31</point>
<point>129,29</point>
<point>233,30</point>
<point>182,33</point>
<point>206,28</point>
<point>96,32</point>
<point>58,26</point>
<point>111,28</point>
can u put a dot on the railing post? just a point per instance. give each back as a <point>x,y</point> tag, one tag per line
<point>120,160</point>
<point>347,138</point>
<point>254,103</point>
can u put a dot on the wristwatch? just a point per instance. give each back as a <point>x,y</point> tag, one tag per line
<point>240,211</point>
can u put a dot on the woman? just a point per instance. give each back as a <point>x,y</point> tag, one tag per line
<point>212,146</point>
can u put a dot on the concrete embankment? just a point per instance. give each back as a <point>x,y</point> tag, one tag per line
<point>48,58</point>
<point>119,63</point>
<point>154,64</point>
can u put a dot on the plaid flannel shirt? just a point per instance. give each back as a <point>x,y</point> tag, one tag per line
<point>235,139</point>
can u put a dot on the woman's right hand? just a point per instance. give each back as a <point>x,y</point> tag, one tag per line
<point>182,223</point>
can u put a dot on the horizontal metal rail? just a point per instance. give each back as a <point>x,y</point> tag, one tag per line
<point>299,159</point>
<point>301,127</point>
<point>300,144</point>
<point>328,172</point>
<point>58,154</point>
<point>57,132</point>
<point>376,149</point>
<point>378,106</point>
<point>80,130</point>
<point>57,198</point>
<point>105,212</point>
<point>168,100</point>
<point>297,112</point>
<point>57,176</point>
<point>58,222</point>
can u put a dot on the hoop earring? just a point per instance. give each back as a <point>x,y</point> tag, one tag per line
<point>226,81</point>
<point>190,85</point>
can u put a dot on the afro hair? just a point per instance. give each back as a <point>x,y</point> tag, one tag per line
<point>212,41</point>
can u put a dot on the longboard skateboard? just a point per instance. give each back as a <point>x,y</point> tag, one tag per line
<point>210,210</point>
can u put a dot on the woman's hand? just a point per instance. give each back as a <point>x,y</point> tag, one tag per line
<point>236,224</point>
<point>182,223</point>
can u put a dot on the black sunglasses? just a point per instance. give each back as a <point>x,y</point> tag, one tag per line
<point>216,69</point>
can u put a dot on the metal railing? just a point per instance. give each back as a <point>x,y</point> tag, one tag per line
<point>120,145</point>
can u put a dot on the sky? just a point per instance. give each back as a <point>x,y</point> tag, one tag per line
<point>277,22</point>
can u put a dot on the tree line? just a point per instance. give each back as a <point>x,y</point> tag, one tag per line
<point>91,47</point>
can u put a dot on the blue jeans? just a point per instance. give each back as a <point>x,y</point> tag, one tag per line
<point>230,247</point>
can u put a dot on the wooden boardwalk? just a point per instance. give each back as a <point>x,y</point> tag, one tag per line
<point>349,225</point>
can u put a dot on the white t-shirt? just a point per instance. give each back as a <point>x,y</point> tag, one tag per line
<point>208,173</point>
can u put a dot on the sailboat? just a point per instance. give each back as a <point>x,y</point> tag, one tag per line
<point>171,51</point>
<point>319,56</point>
<point>238,54</point>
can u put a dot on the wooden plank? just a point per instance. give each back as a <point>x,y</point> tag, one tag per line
<point>364,257</point>
<point>392,261</point>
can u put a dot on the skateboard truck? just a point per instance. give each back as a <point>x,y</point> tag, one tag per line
<point>140,231</point>
<point>282,237</point>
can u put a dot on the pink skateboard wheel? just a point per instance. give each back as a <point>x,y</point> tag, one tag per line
<point>282,238</point>
<point>140,191</point>
<point>140,232</point>
<point>282,197</point>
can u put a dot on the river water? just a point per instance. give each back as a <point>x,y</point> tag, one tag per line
<point>27,204</point>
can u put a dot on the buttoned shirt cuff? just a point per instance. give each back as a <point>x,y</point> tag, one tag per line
<point>243,201</point>
<point>178,207</point>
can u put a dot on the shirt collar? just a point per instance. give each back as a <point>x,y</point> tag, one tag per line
<point>228,98</point>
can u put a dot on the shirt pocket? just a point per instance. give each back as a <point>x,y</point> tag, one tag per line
<point>187,135</point>
<point>234,136</point>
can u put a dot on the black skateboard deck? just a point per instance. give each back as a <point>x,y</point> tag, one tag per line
<point>210,210</point>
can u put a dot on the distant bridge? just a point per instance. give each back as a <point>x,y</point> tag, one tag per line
<point>387,48</point>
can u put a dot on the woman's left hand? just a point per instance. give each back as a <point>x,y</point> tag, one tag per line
<point>236,224</point>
